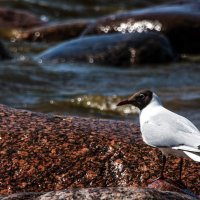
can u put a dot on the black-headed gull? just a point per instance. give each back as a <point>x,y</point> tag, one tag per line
<point>166,130</point>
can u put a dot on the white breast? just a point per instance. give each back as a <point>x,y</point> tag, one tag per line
<point>152,109</point>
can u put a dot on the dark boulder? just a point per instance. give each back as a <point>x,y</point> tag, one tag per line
<point>53,32</point>
<point>113,49</point>
<point>179,21</point>
<point>4,54</point>
<point>13,18</point>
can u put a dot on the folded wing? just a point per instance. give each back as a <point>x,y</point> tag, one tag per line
<point>167,129</point>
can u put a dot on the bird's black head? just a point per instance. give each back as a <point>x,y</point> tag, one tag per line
<point>139,99</point>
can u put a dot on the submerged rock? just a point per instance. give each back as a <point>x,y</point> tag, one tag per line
<point>179,21</point>
<point>41,153</point>
<point>112,49</point>
<point>4,54</point>
<point>13,18</point>
<point>53,32</point>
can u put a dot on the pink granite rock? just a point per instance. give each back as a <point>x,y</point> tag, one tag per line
<point>40,152</point>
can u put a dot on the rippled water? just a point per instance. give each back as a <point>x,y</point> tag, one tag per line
<point>86,89</point>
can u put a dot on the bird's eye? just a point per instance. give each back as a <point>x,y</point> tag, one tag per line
<point>142,96</point>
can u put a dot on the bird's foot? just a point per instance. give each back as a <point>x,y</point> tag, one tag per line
<point>180,184</point>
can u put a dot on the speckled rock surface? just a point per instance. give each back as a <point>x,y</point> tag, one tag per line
<point>41,153</point>
<point>100,193</point>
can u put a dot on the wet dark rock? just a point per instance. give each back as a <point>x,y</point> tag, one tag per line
<point>41,153</point>
<point>54,32</point>
<point>179,21</point>
<point>113,49</point>
<point>13,18</point>
<point>4,54</point>
<point>101,193</point>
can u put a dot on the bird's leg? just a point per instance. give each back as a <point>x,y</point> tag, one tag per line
<point>179,182</point>
<point>161,177</point>
<point>180,169</point>
<point>163,166</point>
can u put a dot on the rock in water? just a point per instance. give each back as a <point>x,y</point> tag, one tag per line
<point>53,32</point>
<point>112,49</point>
<point>13,18</point>
<point>4,54</point>
<point>179,21</point>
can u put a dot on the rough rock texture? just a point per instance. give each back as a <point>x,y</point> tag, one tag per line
<point>113,49</point>
<point>41,152</point>
<point>100,193</point>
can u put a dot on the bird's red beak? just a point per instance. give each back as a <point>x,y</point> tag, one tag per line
<point>124,102</point>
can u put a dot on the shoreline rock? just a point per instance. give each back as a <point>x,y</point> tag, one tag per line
<point>40,153</point>
<point>113,49</point>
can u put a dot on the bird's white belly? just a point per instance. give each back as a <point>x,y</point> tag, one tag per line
<point>151,135</point>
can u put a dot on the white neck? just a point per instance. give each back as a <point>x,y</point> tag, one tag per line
<point>155,101</point>
<point>151,109</point>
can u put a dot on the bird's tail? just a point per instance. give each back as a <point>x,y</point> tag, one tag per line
<point>193,155</point>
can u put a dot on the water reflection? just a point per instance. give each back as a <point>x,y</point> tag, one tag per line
<point>131,26</point>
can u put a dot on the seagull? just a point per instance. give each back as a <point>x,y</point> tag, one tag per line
<point>161,128</point>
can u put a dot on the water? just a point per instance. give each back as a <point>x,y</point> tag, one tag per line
<point>86,89</point>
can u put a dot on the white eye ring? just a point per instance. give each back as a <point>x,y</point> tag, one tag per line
<point>142,96</point>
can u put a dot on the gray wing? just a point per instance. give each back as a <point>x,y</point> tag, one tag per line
<point>168,129</point>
